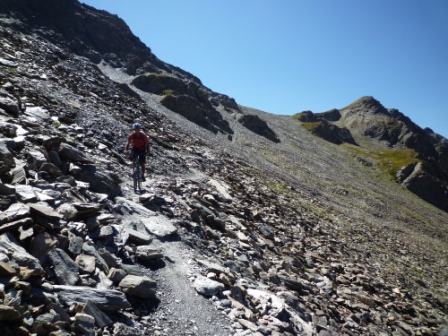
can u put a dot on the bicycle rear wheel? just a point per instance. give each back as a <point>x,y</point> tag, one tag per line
<point>136,175</point>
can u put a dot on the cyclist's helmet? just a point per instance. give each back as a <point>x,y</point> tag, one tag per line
<point>137,125</point>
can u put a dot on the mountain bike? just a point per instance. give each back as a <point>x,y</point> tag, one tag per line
<point>137,175</point>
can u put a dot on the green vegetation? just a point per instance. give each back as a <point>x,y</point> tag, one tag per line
<point>279,188</point>
<point>297,116</point>
<point>391,160</point>
<point>156,74</point>
<point>167,92</point>
<point>56,124</point>
<point>311,126</point>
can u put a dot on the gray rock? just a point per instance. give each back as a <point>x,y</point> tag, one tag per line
<point>86,263</point>
<point>116,275</point>
<point>265,231</point>
<point>99,180</point>
<point>138,237</point>
<point>159,226</point>
<point>51,169</point>
<point>145,253</point>
<point>207,287</point>
<point>212,267</point>
<point>35,159</point>
<point>85,324</point>
<point>9,105</point>
<point>15,225</point>
<point>45,215</point>
<point>7,189</point>
<point>102,232</point>
<point>89,248</point>
<point>25,193</point>
<point>74,154</point>
<point>31,265</point>
<point>75,244</point>
<point>134,208</point>
<point>104,299</point>
<point>41,244</point>
<point>45,211</point>
<point>101,319</point>
<point>15,212</point>
<point>65,269</point>
<point>68,211</point>
<point>85,210</point>
<point>17,175</point>
<point>138,286</point>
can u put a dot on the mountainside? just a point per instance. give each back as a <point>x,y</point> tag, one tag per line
<point>422,165</point>
<point>248,223</point>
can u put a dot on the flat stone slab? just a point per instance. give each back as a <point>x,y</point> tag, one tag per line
<point>134,207</point>
<point>104,299</point>
<point>159,226</point>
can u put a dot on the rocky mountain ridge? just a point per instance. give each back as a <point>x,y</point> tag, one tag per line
<point>273,242</point>
<point>369,124</point>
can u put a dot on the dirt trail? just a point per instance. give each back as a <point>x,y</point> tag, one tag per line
<point>179,309</point>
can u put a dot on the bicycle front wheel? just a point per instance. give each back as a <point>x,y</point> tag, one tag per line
<point>137,180</point>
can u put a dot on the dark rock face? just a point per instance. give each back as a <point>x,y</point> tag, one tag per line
<point>197,112</point>
<point>258,126</point>
<point>333,134</point>
<point>429,188</point>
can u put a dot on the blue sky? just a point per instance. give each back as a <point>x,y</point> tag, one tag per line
<point>287,56</point>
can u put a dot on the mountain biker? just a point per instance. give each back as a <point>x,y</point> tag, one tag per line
<point>140,147</point>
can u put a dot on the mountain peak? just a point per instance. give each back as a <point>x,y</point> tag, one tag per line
<point>366,104</point>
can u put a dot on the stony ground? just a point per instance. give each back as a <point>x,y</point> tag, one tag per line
<point>241,237</point>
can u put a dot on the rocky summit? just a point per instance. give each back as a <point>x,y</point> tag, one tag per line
<point>247,223</point>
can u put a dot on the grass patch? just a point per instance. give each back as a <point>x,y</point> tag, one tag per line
<point>167,92</point>
<point>279,188</point>
<point>393,160</point>
<point>390,160</point>
<point>297,116</point>
<point>311,126</point>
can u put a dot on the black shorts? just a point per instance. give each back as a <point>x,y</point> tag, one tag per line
<point>140,153</point>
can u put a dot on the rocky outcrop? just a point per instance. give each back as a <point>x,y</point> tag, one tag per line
<point>333,133</point>
<point>199,113</point>
<point>259,126</point>
<point>369,124</point>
